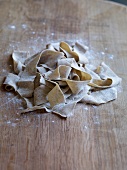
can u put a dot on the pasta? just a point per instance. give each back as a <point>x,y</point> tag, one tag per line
<point>58,77</point>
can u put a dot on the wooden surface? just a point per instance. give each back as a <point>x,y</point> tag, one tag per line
<point>95,138</point>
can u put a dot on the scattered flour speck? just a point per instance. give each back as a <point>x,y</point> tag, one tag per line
<point>110,56</point>
<point>8,122</point>
<point>96,119</point>
<point>85,108</point>
<point>24,26</point>
<point>4,71</point>
<point>13,27</point>
<point>52,34</point>
<point>85,127</point>
<point>102,53</point>
<point>94,106</point>
<point>13,124</point>
<point>20,108</point>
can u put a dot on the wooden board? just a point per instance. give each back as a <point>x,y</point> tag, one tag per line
<point>95,138</point>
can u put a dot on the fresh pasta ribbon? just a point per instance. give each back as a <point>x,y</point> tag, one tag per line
<point>58,77</point>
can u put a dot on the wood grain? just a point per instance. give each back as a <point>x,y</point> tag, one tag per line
<point>95,138</point>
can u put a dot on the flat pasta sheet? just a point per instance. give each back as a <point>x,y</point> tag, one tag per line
<point>58,77</point>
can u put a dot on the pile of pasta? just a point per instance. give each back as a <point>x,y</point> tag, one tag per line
<point>60,76</point>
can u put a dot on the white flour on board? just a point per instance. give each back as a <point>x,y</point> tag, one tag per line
<point>34,45</point>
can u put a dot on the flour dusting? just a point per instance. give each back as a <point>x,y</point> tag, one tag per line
<point>35,44</point>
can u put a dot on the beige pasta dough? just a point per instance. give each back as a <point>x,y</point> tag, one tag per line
<point>58,77</point>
